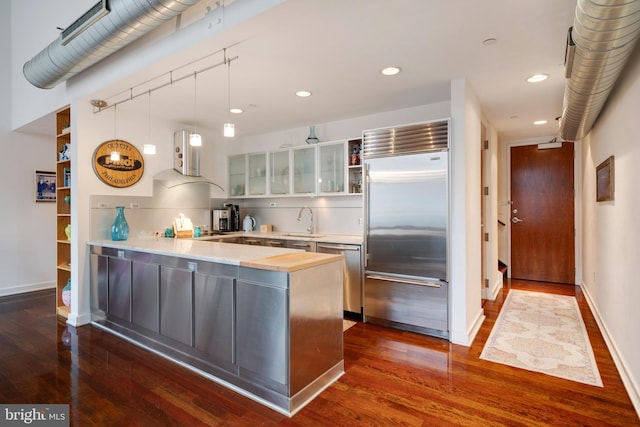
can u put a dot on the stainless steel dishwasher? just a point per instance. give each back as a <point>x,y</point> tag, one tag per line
<point>352,273</point>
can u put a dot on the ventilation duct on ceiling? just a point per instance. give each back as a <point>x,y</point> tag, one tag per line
<point>105,28</point>
<point>601,40</point>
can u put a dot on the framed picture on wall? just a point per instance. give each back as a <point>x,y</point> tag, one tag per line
<point>45,186</point>
<point>605,180</point>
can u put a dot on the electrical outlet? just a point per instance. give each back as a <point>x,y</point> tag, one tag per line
<point>134,205</point>
<point>360,221</point>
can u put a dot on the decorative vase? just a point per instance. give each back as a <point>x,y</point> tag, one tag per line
<point>67,231</point>
<point>120,228</point>
<point>312,138</point>
<point>66,294</point>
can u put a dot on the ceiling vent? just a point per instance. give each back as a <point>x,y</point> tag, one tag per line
<point>104,29</point>
<point>601,40</point>
<point>85,21</point>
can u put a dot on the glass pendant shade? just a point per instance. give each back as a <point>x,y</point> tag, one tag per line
<point>229,130</point>
<point>195,140</point>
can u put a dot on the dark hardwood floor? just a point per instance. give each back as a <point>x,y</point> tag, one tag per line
<point>392,378</point>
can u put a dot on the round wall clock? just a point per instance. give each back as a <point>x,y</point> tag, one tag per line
<point>118,173</point>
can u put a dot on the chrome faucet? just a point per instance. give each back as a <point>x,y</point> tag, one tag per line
<point>310,227</point>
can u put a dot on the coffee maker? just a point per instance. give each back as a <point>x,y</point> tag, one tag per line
<point>226,219</point>
<point>234,216</point>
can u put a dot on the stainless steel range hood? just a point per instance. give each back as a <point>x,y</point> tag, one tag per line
<point>186,164</point>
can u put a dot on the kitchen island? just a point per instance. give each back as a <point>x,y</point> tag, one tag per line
<point>265,322</point>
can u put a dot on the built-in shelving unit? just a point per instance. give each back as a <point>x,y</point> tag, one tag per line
<point>354,159</point>
<point>63,206</point>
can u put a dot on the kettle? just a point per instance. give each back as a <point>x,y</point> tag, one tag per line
<point>248,223</point>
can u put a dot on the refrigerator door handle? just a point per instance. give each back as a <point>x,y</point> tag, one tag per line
<point>401,280</point>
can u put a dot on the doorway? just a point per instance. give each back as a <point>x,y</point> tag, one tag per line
<point>542,213</point>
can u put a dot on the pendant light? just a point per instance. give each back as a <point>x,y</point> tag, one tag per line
<point>229,128</point>
<point>149,148</point>
<point>195,140</point>
<point>115,155</point>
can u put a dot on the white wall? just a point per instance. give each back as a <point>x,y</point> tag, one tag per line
<point>465,247</point>
<point>28,228</point>
<point>34,28</point>
<point>611,231</point>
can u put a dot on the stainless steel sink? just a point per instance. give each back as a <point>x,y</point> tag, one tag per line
<point>310,235</point>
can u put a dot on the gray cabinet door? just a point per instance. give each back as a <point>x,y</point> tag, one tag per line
<point>262,331</point>
<point>145,295</point>
<point>214,316</point>
<point>120,288</point>
<point>99,287</point>
<point>176,304</point>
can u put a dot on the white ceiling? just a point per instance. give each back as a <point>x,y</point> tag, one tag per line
<point>335,49</point>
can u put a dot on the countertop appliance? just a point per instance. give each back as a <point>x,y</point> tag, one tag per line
<point>221,219</point>
<point>352,289</point>
<point>248,223</point>
<point>407,227</point>
<point>234,216</point>
<point>226,219</point>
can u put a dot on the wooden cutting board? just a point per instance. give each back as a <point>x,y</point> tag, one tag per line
<point>291,262</point>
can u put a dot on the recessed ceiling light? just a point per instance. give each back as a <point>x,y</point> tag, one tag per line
<point>303,93</point>
<point>390,71</point>
<point>236,110</point>
<point>536,78</point>
<point>540,122</point>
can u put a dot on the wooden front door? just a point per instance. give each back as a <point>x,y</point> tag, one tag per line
<point>542,217</point>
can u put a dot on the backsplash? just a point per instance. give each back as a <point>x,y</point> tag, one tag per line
<point>147,216</point>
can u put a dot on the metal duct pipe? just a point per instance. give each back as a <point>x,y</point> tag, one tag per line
<point>126,21</point>
<point>601,40</point>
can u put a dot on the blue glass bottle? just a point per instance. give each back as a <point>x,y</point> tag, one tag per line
<point>120,228</point>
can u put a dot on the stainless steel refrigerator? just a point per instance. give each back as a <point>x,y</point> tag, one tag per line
<point>407,228</point>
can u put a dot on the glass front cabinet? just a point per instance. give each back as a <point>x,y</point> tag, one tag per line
<point>326,169</point>
<point>237,175</point>
<point>304,170</point>
<point>257,173</point>
<point>280,174</point>
<point>331,167</point>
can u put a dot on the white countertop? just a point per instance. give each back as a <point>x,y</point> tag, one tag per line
<point>225,253</point>
<point>345,239</point>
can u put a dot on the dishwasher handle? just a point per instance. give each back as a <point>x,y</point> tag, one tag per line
<point>339,247</point>
<point>403,280</point>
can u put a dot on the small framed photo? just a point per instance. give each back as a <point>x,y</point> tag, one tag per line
<point>605,180</point>
<point>45,186</point>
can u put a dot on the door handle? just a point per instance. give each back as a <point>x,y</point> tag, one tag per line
<point>516,220</point>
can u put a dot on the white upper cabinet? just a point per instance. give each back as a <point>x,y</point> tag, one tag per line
<point>257,173</point>
<point>332,167</point>
<point>308,170</point>
<point>280,173</point>
<point>237,167</point>
<point>304,170</point>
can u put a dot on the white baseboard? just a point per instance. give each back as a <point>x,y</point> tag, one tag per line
<point>14,290</point>
<point>629,384</point>
<point>496,288</point>
<point>79,319</point>
<point>467,338</point>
